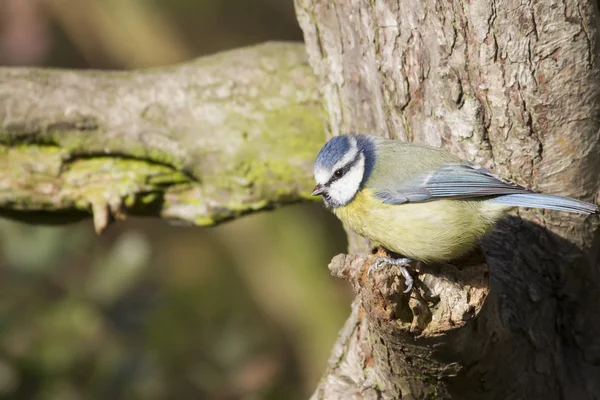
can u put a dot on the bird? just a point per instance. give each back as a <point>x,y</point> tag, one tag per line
<point>420,202</point>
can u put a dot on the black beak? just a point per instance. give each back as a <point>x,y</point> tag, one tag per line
<point>319,190</point>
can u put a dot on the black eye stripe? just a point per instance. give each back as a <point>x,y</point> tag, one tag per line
<point>344,170</point>
<point>335,177</point>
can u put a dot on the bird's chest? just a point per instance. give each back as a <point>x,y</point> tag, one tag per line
<point>433,231</point>
<point>370,217</point>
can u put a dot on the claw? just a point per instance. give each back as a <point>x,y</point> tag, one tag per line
<point>401,262</point>
<point>408,280</point>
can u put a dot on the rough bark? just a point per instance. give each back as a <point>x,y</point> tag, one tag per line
<point>200,142</point>
<point>514,86</point>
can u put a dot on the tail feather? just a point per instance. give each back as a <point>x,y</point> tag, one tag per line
<point>535,200</point>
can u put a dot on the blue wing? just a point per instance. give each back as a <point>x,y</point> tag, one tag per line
<point>469,181</point>
<point>453,181</point>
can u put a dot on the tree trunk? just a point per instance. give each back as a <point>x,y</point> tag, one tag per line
<point>514,86</point>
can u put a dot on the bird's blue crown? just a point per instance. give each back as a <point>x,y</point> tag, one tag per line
<point>332,152</point>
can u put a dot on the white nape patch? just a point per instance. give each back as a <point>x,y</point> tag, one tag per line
<point>322,176</point>
<point>343,190</point>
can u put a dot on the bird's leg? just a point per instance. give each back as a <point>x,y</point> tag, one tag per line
<point>401,263</point>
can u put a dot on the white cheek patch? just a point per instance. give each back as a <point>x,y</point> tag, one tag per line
<point>344,189</point>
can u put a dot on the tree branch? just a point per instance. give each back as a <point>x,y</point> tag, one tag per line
<point>200,142</point>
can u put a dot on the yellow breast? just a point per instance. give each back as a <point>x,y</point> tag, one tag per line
<point>435,231</point>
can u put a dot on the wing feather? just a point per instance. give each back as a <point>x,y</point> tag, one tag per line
<point>452,181</point>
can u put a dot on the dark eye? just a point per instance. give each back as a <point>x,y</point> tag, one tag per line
<point>338,173</point>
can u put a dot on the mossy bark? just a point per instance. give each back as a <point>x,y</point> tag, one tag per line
<point>200,142</point>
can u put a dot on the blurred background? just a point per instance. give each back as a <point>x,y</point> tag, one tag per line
<point>246,310</point>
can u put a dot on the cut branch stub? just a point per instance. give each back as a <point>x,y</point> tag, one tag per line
<point>412,337</point>
<point>445,297</point>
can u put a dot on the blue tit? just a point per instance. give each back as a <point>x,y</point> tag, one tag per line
<point>417,201</point>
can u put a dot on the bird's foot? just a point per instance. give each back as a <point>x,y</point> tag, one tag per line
<point>401,263</point>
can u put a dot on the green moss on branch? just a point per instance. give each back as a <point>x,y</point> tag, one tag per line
<point>201,142</point>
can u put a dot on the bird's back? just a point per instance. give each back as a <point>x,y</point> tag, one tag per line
<point>398,162</point>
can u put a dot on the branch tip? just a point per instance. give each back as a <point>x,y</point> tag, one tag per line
<point>102,217</point>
